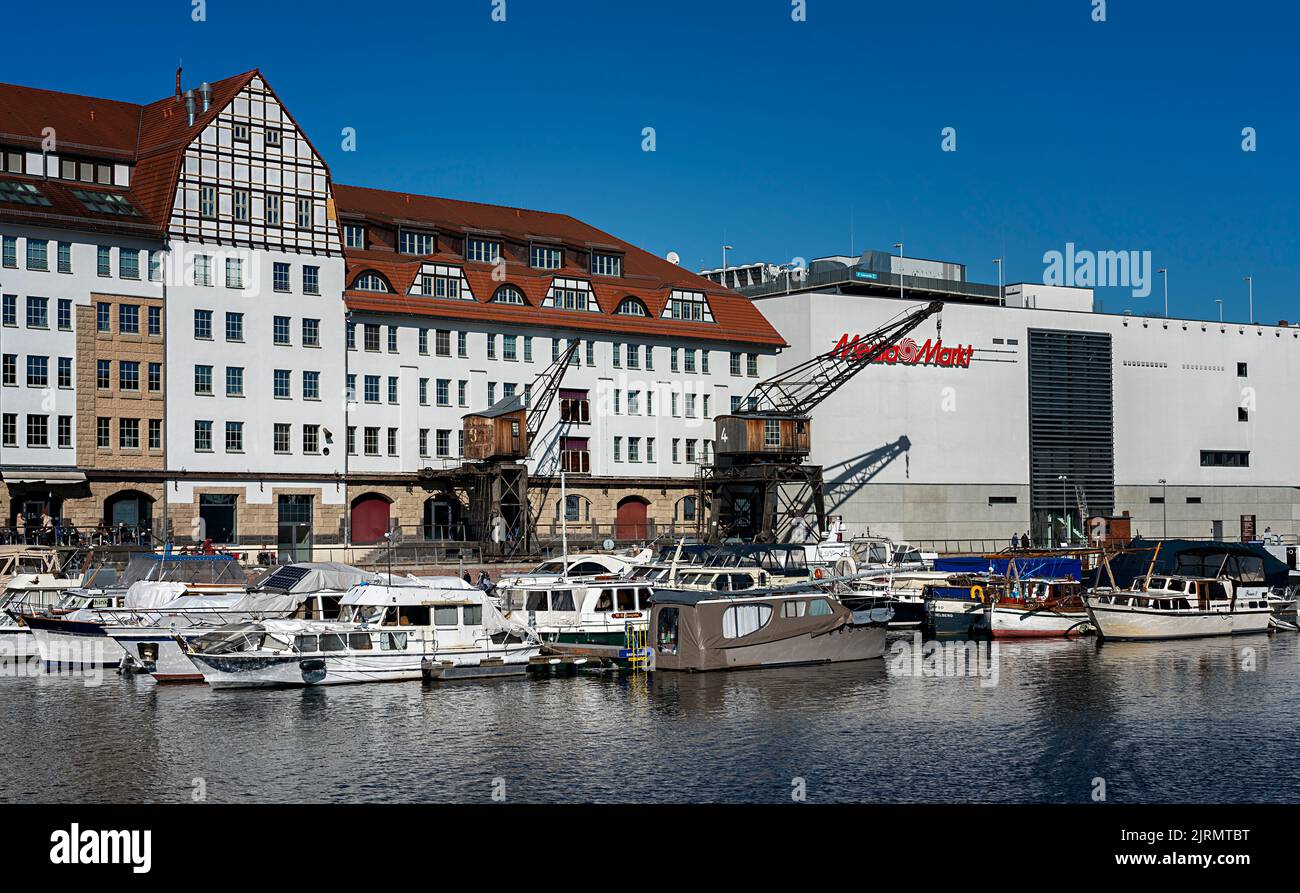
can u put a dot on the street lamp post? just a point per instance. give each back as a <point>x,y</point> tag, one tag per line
<point>1164,506</point>
<point>1002,295</point>
<point>1065,525</point>
<point>1219,301</point>
<point>1250,287</point>
<point>1164,276</point>
<point>725,249</point>
<point>899,246</point>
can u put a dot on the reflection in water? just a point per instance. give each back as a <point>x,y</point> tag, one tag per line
<point>1207,720</point>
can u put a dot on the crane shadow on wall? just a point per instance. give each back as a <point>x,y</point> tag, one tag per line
<point>846,478</point>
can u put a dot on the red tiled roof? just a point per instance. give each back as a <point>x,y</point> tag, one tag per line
<point>153,136</point>
<point>646,277</point>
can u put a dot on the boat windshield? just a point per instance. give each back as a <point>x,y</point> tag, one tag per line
<point>189,569</point>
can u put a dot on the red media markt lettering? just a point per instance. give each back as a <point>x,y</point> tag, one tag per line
<point>907,352</point>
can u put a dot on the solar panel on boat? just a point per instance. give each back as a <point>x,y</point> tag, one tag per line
<point>285,578</point>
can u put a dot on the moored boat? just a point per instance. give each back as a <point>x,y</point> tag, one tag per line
<point>439,628</point>
<point>1176,607</point>
<point>1037,609</point>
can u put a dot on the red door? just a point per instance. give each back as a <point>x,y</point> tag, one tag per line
<point>369,520</point>
<point>630,523</point>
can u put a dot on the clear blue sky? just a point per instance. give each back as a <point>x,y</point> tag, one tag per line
<point>774,134</point>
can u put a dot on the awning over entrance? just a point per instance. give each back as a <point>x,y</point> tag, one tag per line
<point>41,476</point>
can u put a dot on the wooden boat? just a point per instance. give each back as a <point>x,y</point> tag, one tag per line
<point>1177,607</point>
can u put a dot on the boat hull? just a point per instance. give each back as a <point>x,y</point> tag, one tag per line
<point>297,670</point>
<point>17,644</point>
<point>1139,625</point>
<point>956,617</point>
<point>1019,622</point>
<point>73,643</point>
<point>848,643</point>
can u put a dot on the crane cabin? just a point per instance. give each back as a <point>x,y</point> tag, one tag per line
<point>763,434</point>
<point>498,432</point>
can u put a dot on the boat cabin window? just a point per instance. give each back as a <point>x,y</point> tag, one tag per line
<point>446,615</point>
<point>643,599</point>
<point>819,607</point>
<point>392,641</point>
<point>794,609</point>
<point>332,642</point>
<point>1218,590</point>
<point>743,620</point>
<point>605,602</point>
<point>359,641</point>
<point>536,601</point>
<point>305,643</point>
<point>627,599</point>
<point>473,615</point>
<point>413,615</point>
<point>562,600</point>
<point>1175,585</point>
<point>666,631</point>
<point>588,568</point>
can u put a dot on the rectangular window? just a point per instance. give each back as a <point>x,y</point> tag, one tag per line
<point>274,204</point>
<point>618,449</point>
<point>65,257</point>
<point>280,330</point>
<point>280,384</point>
<point>310,280</point>
<point>751,365</point>
<point>65,372</point>
<point>9,365</point>
<point>392,441</point>
<point>104,260</point>
<point>372,442</point>
<point>203,379</point>
<point>241,204</point>
<point>38,431</point>
<point>65,432</point>
<point>442,392</point>
<point>128,319</point>
<point>280,276</point>
<point>155,434</point>
<point>202,325</point>
<point>411,242</point>
<point>65,315</point>
<point>10,430</point>
<point>311,385</point>
<point>372,389</point>
<point>38,371</point>
<point>392,389</point>
<point>424,442</point>
<point>38,313</point>
<point>311,333</point>
<point>234,327</point>
<point>208,202</point>
<point>545,258</point>
<point>234,272</point>
<point>444,442</point>
<point>9,314</point>
<point>202,269</point>
<point>155,266</point>
<point>280,437</point>
<point>462,345</point>
<point>1225,459</point>
<point>128,375</point>
<point>304,215</point>
<point>128,434</point>
<point>606,264</point>
<point>491,346</point>
<point>392,339</point>
<point>442,343</point>
<point>234,437</point>
<point>482,250</point>
<point>10,253</point>
<point>104,433</point>
<point>354,235</point>
<point>372,337</point>
<point>234,381</point>
<point>202,436</point>
<point>462,393</point>
<point>155,321</point>
<point>38,254</point>
<point>103,374</point>
<point>311,439</point>
<point>128,263</point>
<point>155,377</point>
<point>510,347</point>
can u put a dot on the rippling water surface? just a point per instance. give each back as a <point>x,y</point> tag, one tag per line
<point>1182,721</point>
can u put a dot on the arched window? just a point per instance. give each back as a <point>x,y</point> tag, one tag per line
<point>686,508</point>
<point>370,281</point>
<point>631,307</point>
<point>508,294</point>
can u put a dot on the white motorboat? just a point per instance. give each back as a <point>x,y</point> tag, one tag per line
<point>581,564</point>
<point>439,628</point>
<point>303,591</point>
<point>1038,609</point>
<point>16,640</point>
<point>595,611</point>
<point>180,583</point>
<point>1177,607</point>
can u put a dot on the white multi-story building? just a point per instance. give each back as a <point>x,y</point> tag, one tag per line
<point>187,349</point>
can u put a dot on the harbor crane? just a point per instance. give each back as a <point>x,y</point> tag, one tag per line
<point>759,487</point>
<point>498,442</point>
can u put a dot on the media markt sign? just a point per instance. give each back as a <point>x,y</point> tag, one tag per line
<point>906,352</point>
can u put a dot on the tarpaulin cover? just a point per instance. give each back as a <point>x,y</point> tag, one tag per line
<point>1033,567</point>
<point>1243,562</point>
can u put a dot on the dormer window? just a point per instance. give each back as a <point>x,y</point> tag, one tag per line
<point>606,264</point>
<point>543,257</point>
<point>689,306</point>
<point>508,294</point>
<point>86,171</point>
<point>417,243</point>
<point>483,251</point>
<point>370,282</point>
<point>354,235</point>
<point>631,307</point>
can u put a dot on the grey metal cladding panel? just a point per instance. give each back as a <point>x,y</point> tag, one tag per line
<point>1071,417</point>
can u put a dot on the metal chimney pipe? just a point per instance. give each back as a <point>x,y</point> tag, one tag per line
<point>205,93</point>
<point>189,107</point>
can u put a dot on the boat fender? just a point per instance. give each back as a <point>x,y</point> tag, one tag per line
<point>817,574</point>
<point>977,593</point>
<point>846,566</point>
